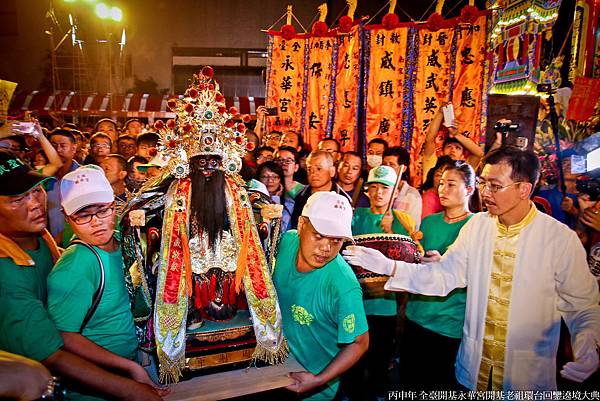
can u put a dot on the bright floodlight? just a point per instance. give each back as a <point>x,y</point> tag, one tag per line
<point>116,14</point>
<point>102,11</point>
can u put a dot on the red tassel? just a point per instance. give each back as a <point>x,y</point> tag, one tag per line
<point>225,294</point>
<point>204,293</point>
<point>212,289</point>
<point>232,297</point>
<point>197,300</point>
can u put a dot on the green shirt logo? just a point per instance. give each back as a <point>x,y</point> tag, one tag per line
<point>348,323</point>
<point>302,316</point>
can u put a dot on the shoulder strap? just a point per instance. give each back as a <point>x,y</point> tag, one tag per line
<point>98,294</point>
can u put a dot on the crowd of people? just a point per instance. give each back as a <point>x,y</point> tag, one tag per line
<point>500,269</point>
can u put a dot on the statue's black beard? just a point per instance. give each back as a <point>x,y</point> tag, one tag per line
<point>208,213</point>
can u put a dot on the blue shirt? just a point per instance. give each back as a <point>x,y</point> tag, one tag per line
<point>56,219</point>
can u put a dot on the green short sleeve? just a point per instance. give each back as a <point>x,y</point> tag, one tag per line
<point>352,321</point>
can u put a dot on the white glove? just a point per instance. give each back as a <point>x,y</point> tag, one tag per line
<point>586,359</point>
<point>370,259</point>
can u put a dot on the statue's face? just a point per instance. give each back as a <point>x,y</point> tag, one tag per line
<point>207,163</point>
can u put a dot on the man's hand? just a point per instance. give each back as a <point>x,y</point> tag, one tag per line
<point>591,218</point>
<point>139,374</point>
<point>568,206</point>
<point>22,378</point>
<point>261,112</point>
<point>142,392</point>
<point>431,256</point>
<point>386,222</point>
<point>586,359</point>
<point>370,259</point>
<point>303,382</point>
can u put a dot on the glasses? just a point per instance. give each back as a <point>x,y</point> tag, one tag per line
<point>101,146</point>
<point>493,188</point>
<point>285,161</point>
<point>269,177</point>
<point>100,214</point>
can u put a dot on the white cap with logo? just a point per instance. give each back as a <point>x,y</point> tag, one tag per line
<point>84,187</point>
<point>385,175</point>
<point>330,214</point>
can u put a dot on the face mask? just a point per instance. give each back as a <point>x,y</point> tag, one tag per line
<point>374,160</point>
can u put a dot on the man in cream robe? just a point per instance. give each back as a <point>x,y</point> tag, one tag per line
<point>524,271</point>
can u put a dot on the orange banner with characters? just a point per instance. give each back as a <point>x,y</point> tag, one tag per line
<point>345,124</point>
<point>285,82</point>
<point>385,84</point>
<point>431,89</point>
<point>319,100</point>
<point>469,80</point>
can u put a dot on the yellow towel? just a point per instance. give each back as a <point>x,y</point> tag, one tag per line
<point>411,227</point>
<point>10,249</point>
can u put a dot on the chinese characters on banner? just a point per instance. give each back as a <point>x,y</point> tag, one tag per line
<point>469,80</point>
<point>319,100</point>
<point>385,84</point>
<point>345,125</point>
<point>581,103</point>
<point>286,83</point>
<point>431,89</point>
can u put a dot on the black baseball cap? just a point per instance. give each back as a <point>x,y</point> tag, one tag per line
<point>16,177</point>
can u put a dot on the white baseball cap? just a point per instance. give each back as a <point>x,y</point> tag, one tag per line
<point>385,175</point>
<point>84,187</point>
<point>330,214</point>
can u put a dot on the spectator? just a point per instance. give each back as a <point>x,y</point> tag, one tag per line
<point>271,174</point>
<point>115,170</point>
<point>332,146</point>
<point>431,199</point>
<point>319,296</point>
<point>64,143</point>
<point>100,147</point>
<point>133,127</point>
<point>13,142</point>
<point>456,145</point>
<point>126,144</point>
<point>135,177</point>
<point>408,199</point>
<point>53,161</point>
<point>272,139</point>
<point>146,142</point>
<point>349,179</point>
<point>263,154</point>
<point>375,149</point>
<point>108,127</point>
<point>320,171</point>
<point>291,139</point>
<point>493,256</point>
<point>287,158</point>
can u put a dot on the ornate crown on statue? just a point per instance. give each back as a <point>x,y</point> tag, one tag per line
<point>202,126</point>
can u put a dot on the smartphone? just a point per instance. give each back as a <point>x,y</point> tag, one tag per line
<point>448,111</point>
<point>272,111</point>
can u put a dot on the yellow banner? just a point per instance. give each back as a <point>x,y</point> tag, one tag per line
<point>286,83</point>
<point>7,89</point>
<point>431,89</point>
<point>318,96</point>
<point>385,88</point>
<point>468,78</point>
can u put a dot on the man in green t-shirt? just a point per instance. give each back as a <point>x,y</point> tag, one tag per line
<point>27,251</point>
<point>108,337</point>
<point>320,298</point>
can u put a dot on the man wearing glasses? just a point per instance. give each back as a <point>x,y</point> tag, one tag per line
<point>524,271</point>
<point>100,147</point>
<point>108,338</point>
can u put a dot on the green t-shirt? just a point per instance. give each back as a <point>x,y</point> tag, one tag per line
<point>321,310</point>
<point>71,287</point>
<point>443,315</point>
<point>25,327</point>
<point>366,222</point>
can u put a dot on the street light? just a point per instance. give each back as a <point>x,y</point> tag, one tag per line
<point>116,14</point>
<point>105,12</point>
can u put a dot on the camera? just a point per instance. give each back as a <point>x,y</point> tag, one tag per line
<point>545,88</point>
<point>588,186</point>
<point>506,126</point>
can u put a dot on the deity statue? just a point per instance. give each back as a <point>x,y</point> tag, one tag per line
<point>199,271</point>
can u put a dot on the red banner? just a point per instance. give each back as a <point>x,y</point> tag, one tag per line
<point>583,99</point>
<point>345,123</point>
<point>286,83</point>
<point>318,96</point>
<point>431,89</point>
<point>385,87</point>
<point>468,92</point>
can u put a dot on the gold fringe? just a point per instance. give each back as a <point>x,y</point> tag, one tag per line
<point>170,371</point>
<point>273,358</point>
